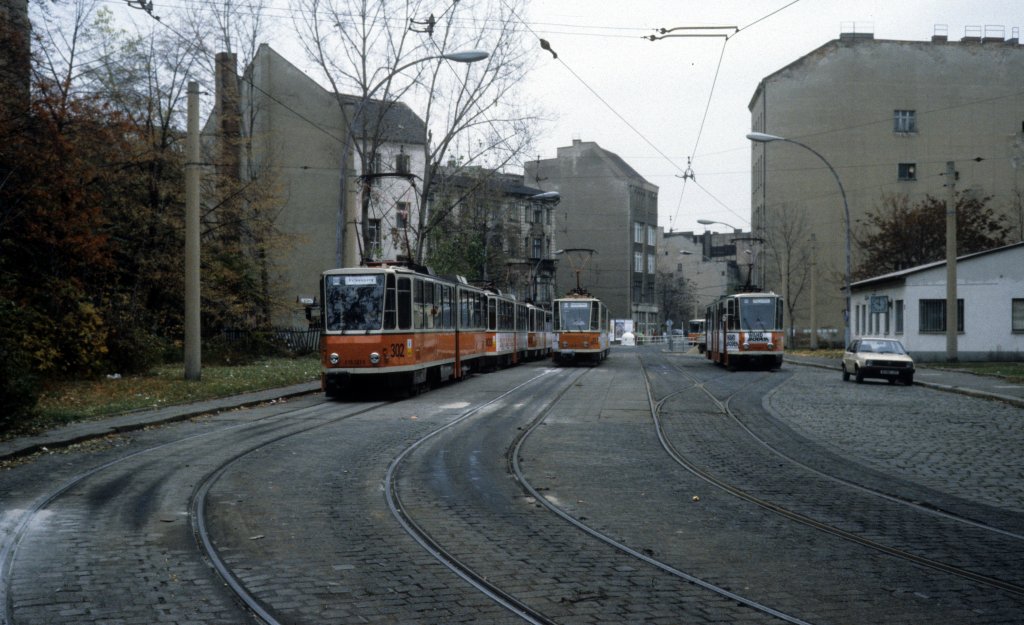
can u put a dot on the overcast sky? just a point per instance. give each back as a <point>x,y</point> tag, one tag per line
<point>646,101</point>
<point>657,103</point>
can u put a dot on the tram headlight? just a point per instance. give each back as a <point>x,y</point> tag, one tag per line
<point>334,358</point>
<point>374,358</point>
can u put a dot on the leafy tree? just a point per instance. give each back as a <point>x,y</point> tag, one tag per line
<point>900,235</point>
<point>471,240</point>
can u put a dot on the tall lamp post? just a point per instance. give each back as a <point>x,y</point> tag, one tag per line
<point>760,137</point>
<point>346,235</point>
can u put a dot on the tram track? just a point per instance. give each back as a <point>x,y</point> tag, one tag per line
<point>517,471</point>
<point>723,405</point>
<point>434,547</point>
<point>258,427</point>
<point>513,458</point>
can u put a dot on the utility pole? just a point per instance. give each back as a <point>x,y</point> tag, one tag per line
<point>193,338</point>
<point>951,307</point>
<point>814,292</point>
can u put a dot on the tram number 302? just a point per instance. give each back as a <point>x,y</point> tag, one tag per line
<point>398,350</point>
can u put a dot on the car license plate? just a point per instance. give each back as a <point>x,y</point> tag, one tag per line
<point>889,372</point>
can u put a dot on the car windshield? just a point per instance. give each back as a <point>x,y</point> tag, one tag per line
<point>882,347</point>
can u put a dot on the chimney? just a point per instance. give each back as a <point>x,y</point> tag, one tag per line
<point>229,114</point>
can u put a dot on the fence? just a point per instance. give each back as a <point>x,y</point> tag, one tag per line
<point>296,341</point>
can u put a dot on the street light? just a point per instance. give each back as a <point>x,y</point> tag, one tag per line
<point>346,230</point>
<point>708,222</point>
<point>760,137</point>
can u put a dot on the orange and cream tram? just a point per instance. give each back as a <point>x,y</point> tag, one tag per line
<point>696,335</point>
<point>580,329</point>
<point>396,327</point>
<point>539,337</point>
<point>746,329</point>
<point>504,317</point>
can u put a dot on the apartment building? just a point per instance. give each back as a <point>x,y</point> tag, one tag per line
<point>887,116</point>
<point>294,131</point>
<point>611,210</point>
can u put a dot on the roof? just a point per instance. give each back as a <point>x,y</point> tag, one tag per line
<point>399,123</point>
<point>903,273</point>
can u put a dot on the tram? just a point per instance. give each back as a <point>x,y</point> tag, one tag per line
<point>580,329</point>
<point>695,334</point>
<point>745,329</point>
<point>397,326</point>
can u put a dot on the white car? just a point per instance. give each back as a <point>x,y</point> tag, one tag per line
<point>878,358</point>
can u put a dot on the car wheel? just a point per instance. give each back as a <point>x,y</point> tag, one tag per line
<point>908,379</point>
<point>859,376</point>
<point>846,374</point>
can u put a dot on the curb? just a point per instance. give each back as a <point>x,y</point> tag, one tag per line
<point>133,421</point>
<point>948,388</point>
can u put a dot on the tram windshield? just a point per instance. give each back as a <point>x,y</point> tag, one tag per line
<point>574,316</point>
<point>759,313</point>
<point>354,302</point>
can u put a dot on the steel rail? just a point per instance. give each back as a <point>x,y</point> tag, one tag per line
<point>9,551</point>
<point>608,540</point>
<point>464,571</point>
<point>810,521</point>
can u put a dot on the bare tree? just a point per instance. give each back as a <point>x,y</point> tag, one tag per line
<point>788,246</point>
<point>382,51</point>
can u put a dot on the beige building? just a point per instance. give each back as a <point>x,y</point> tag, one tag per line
<point>695,269</point>
<point>298,135</point>
<point>887,116</point>
<point>606,207</point>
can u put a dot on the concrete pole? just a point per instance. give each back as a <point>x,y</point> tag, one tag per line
<point>193,338</point>
<point>951,308</point>
<point>814,293</point>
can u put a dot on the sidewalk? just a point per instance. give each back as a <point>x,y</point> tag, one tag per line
<point>982,386</point>
<point>85,430</point>
<point>985,387</point>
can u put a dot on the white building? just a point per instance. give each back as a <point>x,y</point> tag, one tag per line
<point>911,305</point>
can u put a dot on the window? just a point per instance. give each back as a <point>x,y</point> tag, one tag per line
<point>638,233</point>
<point>538,215</point>
<point>1017,315</point>
<point>904,121</point>
<point>536,253</point>
<point>898,310</point>
<point>933,315</point>
<point>907,172</point>
<point>650,263</point>
<point>402,216</point>
<point>375,233</point>
<point>638,262</point>
<point>402,163</point>
<point>650,235</point>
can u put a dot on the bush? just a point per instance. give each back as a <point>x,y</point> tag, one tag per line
<point>19,383</point>
<point>133,350</point>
